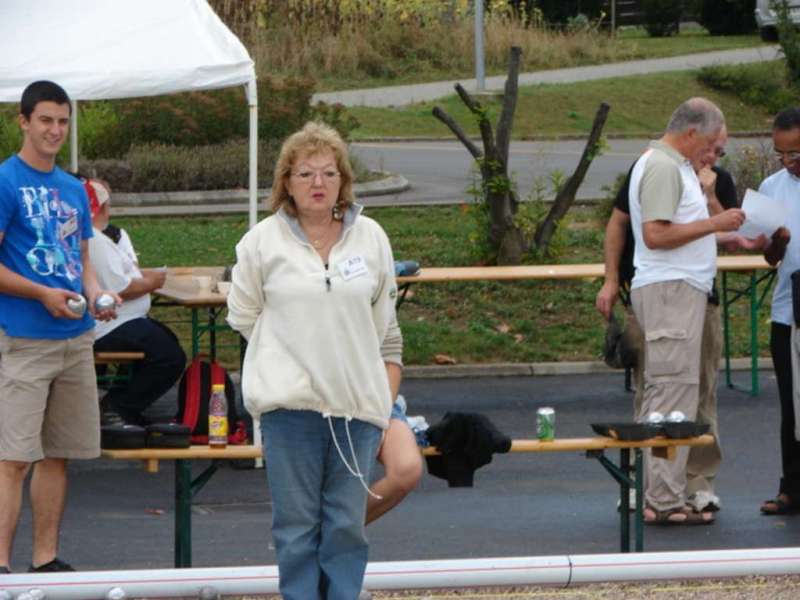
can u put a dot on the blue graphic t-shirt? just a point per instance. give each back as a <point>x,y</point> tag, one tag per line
<point>43,217</point>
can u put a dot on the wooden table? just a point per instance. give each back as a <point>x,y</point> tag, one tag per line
<point>750,264</point>
<point>182,289</point>
<point>185,486</point>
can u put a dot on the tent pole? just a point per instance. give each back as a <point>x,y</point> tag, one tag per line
<point>73,137</point>
<point>252,100</point>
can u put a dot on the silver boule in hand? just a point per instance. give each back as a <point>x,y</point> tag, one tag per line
<point>655,418</point>
<point>77,305</point>
<point>104,302</point>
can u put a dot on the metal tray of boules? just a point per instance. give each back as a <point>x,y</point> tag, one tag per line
<point>626,432</point>
<point>683,429</point>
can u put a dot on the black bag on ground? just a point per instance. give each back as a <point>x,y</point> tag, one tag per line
<point>194,391</point>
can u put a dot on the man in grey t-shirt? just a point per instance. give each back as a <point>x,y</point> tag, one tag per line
<point>675,259</point>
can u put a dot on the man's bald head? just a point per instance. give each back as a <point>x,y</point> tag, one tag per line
<point>697,113</point>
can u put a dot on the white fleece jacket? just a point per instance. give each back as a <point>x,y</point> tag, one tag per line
<point>316,335</point>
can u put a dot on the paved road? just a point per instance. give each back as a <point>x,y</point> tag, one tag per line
<point>520,505</point>
<point>442,172</point>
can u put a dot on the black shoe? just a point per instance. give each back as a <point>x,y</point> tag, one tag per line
<point>54,566</point>
<point>4,570</point>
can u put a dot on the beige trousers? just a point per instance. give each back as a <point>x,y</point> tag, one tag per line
<point>671,315</point>
<point>704,461</point>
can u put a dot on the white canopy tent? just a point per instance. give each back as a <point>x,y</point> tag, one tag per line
<point>106,49</point>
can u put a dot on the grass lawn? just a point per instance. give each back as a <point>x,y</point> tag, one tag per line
<point>471,322</point>
<point>640,105</point>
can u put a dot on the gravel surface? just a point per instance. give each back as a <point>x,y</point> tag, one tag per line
<point>747,588</point>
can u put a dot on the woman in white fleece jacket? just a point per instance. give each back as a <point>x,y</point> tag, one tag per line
<point>314,294</point>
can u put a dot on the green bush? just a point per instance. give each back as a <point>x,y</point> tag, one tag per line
<point>728,17</point>
<point>561,11</point>
<point>756,84</point>
<point>108,129</point>
<point>662,17</point>
<point>10,133</point>
<point>161,168</point>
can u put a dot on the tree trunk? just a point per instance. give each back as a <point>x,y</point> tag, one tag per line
<point>566,196</point>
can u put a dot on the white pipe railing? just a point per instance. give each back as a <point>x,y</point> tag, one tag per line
<point>538,570</point>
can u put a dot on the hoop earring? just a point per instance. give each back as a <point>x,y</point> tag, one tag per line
<point>338,213</point>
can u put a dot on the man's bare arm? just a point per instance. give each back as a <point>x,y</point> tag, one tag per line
<point>666,235</point>
<point>613,246</point>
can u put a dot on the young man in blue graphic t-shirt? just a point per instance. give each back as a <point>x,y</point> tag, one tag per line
<point>48,396</point>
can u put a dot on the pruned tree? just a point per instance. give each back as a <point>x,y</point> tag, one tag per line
<point>505,236</point>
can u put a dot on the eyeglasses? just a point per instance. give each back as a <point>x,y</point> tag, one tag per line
<point>788,156</point>
<point>310,175</point>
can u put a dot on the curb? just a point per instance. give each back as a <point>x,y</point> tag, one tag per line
<point>536,369</point>
<point>391,184</point>
<point>566,137</point>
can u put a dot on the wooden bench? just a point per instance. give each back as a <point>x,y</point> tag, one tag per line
<point>628,474</point>
<point>120,360</point>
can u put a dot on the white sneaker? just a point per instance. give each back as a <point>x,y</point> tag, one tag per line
<point>631,500</point>
<point>704,501</point>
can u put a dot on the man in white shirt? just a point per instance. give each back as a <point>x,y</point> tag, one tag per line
<point>675,260</point>
<point>117,268</point>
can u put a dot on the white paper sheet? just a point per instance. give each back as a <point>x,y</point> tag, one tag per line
<point>763,215</point>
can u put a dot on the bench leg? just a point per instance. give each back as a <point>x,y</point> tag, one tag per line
<point>624,501</point>
<point>183,513</point>
<point>639,486</point>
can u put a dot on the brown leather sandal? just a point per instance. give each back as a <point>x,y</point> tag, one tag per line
<point>667,517</point>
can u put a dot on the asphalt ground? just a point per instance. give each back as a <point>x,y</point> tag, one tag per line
<point>120,517</point>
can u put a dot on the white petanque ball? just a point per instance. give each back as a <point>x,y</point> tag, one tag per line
<point>655,418</point>
<point>116,593</point>
<point>208,593</point>
<point>25,596</point>
<point>676,416</point>
<point>36,594</point>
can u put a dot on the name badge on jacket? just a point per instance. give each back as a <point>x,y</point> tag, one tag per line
<point>352,267</point>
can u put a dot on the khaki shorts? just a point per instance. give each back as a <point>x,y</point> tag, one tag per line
<point>48,399</point>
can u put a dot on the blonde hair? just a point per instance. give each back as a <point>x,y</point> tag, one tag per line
<point>313,138</point>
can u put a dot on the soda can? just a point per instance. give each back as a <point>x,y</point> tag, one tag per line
<point>546,424</point>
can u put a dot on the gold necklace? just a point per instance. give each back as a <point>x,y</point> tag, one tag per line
<point>322,241</point>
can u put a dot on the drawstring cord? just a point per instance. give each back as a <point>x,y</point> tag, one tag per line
<point>354,472</point>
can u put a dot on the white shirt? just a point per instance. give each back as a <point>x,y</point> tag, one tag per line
<point>785,188</point>
<point>115,270</point>
<point>694,262</point>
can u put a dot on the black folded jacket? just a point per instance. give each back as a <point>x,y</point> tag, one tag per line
<point>466,442</point>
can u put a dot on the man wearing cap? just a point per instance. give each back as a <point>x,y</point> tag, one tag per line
<point>48,404</point>
<point>117,268</point>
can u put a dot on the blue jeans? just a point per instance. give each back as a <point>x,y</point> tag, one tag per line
<point>318,507</point>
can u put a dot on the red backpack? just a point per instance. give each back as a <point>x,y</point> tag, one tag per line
<point>194,392</point>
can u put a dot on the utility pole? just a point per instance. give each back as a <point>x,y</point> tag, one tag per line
<point>480,73</point>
